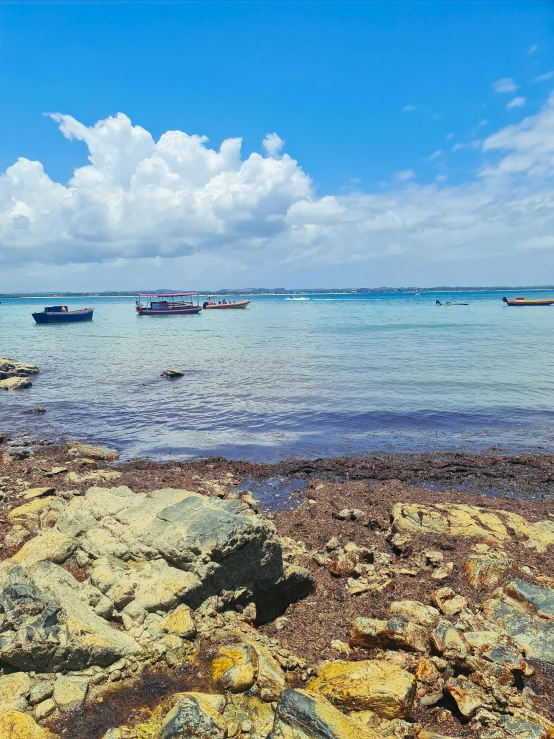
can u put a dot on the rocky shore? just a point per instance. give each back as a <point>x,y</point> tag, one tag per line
<point>142,600</point>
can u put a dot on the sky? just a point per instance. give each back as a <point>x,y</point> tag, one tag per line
<point>208,145</point>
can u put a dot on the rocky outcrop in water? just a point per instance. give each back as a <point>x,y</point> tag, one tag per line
<point>15,375</point>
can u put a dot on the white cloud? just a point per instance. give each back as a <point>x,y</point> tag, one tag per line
<point>482,123</point>
<point>435,155</point>
<point>533,48</point>
<point>544,77</point>
<point>441,178</point>
<point>457,147</point>
<point>516,103</point>
<point>449,136</point>
<point>141,206</point>
<point>405,175</point>
<point>273,144</point>
<point>506,84</point>
<point>409,108</point>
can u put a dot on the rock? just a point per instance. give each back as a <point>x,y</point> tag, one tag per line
<point>526,613</point>
<point>444,571</point>
<point>301,714</point>
<point>172,374</point>
<point>16,383</point>
<point>235,668</point>
<point>453,519</point>
<point>449,642</point>
<point>40,692</point>
<point>92,451</point>
<point>13,368</point>
<point>38,410</point>
<point>332,544</point>
<point>376,685</point>
<point>14,690</point>
<point>180,622</point>
<point>486,571</point>
<point>16,725</point>
<point>49,625</point>
<point>174,546</point>
<point>44,709</point>
<point>519,728</point>
<point>94,476</point>
<point>413,610</point>
<point>344,565</point>
<point>396,633</point>
<point>270,679</point>
<point>36,514</point>
<point>55,471</point>
<point>70,692</point>
<point>38,493</point>
<point>448,602</point>
<point>194,715</point>
<point>15,537</point>
<point>468,696</point>
<point>50,546</point>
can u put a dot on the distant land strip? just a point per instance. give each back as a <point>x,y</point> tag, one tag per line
<point>282,291</point>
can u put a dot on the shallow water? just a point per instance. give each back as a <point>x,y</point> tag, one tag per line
<point>321,377</point>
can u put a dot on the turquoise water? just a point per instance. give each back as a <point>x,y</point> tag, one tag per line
<point>308,378</point>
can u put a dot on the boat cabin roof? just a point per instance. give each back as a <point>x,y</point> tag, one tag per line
<point>56,309</point>
<point>164,295</point>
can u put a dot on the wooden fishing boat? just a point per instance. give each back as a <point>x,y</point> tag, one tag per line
<point>167,304</point>
<point>223,304</point>
<point>61,314</point>
<point>525,301</point>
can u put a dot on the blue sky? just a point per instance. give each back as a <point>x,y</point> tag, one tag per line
<point>369,98</point>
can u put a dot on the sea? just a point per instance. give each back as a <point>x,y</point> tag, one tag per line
<point>326,375</point>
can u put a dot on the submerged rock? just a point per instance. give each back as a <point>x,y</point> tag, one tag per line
<point>172,374</point>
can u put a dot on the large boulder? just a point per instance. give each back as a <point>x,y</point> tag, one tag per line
<point>13,368</point>
<point>48,625</point>
<point>17,725</point>
<point>395,633</point>
<point>376,685</point>
<point>302,714</point>
<point>172,546</point>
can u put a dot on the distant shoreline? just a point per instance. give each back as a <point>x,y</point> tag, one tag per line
<point>284,293</point>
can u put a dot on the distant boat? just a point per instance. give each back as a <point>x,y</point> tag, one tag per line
<point>525,301</point>
<point>61,314</point>
<point>448,303</point>
<point>221,305</point>
<point>167,304</point>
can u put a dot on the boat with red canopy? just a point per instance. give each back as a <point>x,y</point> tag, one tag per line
<point>167,304</point>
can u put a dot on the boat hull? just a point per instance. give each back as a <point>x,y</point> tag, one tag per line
<point>224,306</point>
<point>169,311</point>
<point>519,303</point>
<point>69,317</point>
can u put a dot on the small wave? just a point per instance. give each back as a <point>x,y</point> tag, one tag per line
<point>297,298</point>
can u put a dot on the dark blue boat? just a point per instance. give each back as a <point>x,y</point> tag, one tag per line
<point>60,314</point>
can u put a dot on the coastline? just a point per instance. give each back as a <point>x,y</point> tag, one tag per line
<point>340,524</point>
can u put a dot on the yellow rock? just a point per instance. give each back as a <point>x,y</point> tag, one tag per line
<point>471,521</point>
<point>32,515</point>
<point>235,668</point>
<point>51,546</point>
<point>95,476</point>
<point>38,493</point>
<point>17,725</point>
<point>375,685</point>
<point>180,622</point>
<point>14,689</point>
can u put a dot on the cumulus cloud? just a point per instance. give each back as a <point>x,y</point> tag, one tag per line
<point>506,84</point>
<point>273,144</point>
<point>516,103</point>
<point>140,201</point>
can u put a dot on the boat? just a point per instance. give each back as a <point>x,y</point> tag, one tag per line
<point>223,304</point>
<point>167,304</point>
<point>448,303</point>
<point>61,314</point>
<point>525,301</point>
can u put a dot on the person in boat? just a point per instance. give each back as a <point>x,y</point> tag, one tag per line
<point>438,302</point>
